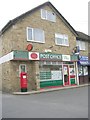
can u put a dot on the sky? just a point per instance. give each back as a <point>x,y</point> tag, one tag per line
<point>74,11</point>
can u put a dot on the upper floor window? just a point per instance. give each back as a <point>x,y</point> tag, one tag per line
<point>47,15</point>
<point>81,45</point>
<point>61,39</point>
<point>35,35</point>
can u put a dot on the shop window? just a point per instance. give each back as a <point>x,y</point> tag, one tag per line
<point>22,68</point>
<point>45,73</point>
<point>35,35</point>
<point>48,15</point>
<point>61,39</point>
<point>80,70</point>
<point>72,70</point>
<point>85,69</point>
<point>50,63</point>
<point>50,72</point>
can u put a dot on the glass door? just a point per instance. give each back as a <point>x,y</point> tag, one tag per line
<point>66,74</point>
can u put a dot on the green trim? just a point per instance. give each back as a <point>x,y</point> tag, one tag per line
<point>45,75</point>
<point>43,56</point>
<point>51,83</point>
<point>21,55</point>
<point>72,81</point>
<point>74,58</point>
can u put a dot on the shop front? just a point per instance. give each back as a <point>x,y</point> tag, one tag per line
<point>42,70</point>
<point>57,70</point>
<point>83,65</point>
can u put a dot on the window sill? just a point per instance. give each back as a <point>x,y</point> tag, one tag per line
<point>83,50</point>
<point>35,41</point>
<point>62,45</point>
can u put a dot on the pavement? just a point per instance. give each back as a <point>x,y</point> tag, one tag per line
<point>49,89</point>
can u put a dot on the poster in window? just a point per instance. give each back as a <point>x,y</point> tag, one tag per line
<point>85,69</point>
<point>65,71</point>
<point>80,71</point>
<point>71,71</point>
<point>56,75</point>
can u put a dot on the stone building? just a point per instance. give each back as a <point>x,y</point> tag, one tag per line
<point>39,42</point>
<point>83,42</point>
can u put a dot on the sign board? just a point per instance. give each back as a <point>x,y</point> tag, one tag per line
<point>20,55</point>
<point>50,56</point>
<point>33,56</point>
<point>83,60</point>
<point>6,58</point>
<point>66,58</point>
<point>29,47</point>
<point>74,57</point>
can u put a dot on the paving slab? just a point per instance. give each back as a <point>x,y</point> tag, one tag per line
<point>48,90</point>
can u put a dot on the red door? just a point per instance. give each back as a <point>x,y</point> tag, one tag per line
<point>66,74</point>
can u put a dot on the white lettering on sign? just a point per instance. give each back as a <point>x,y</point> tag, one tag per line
<point>50,56</point>
<point>66,57</point>
<point>24,76</point>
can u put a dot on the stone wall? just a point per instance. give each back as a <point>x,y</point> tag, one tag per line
<point>16,37</point>
<point>11,77</point>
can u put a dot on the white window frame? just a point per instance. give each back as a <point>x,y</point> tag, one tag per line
<point>20,68</point>
<point>46,18</point>
<point>78,43</point>
<point>57,34</point>
<point>33,36</point>
<point>45,15</point>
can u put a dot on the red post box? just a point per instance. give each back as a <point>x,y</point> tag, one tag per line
<point>23,81</point>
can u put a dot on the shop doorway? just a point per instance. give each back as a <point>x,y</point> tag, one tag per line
<point>66,74</point>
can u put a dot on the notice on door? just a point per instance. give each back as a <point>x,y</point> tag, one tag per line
<point>65,71</point>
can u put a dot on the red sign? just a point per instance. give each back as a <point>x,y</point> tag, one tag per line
<point>29,47</point>
<point>33,56</point>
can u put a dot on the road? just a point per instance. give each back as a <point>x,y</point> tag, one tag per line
<point>0,105</point>
<point>70,103</point>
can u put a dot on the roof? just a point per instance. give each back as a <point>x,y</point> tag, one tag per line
<point>82,36</point>
<point>15,20</point>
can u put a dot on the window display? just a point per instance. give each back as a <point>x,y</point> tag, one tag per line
<point>85,70</point>
<point>50,72</point>
<point>80,71</point>
<point>65,70</point>
<point>72,70</point>
<point>56,75</point>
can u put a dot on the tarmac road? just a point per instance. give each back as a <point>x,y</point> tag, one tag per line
<point>69,103</point>
<point>0,105</point>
